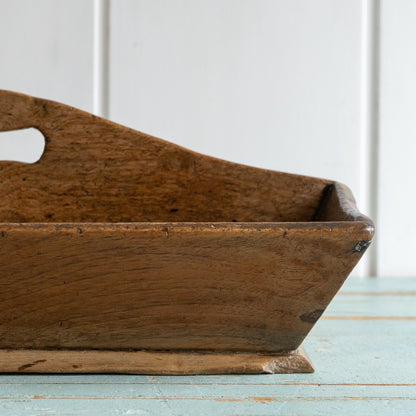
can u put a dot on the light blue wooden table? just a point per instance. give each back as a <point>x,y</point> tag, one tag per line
<point>363,350</point>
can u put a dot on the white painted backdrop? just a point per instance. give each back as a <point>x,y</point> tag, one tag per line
<point>292,85</point>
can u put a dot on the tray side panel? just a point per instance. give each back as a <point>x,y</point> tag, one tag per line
<point>170,287</point>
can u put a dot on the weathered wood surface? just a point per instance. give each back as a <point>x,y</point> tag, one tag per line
<point>93,170</point>
<point>116,240</point>
<point>364,367</point>
<point>171,286</point>
<point>151,362</point>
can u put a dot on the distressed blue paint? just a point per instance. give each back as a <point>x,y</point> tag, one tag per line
<point>363,367</point>
<point>380,305</point>
<point>376,407</point>
<point>379,285</point>
<point>237,392</point>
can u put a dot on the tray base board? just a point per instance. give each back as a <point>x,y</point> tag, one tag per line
<point>152,362</point>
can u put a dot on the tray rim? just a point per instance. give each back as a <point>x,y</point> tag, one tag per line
<point>352,219</point>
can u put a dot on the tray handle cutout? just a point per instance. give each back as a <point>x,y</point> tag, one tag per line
<point>22,135</point>
<point>65,129</point>
<point>23,145</point>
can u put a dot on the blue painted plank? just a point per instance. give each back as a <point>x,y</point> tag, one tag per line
<point>379,285</point>
<point>372,306</point>
<point>330,406</point>
<point>262,392</point>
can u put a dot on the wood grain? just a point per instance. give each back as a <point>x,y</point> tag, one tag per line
<point>148,362</point>
<point>116,240</point>
<point>94,170</point>
<point>241,287</point>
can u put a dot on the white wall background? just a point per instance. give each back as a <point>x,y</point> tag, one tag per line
<point>292,85</point>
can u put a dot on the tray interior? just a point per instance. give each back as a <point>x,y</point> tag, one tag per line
<point>36,194</point>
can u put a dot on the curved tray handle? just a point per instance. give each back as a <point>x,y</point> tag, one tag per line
<point>65,128</point>
<point>96,170</point>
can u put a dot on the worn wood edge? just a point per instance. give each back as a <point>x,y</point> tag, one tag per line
<point>152,362</point>
<point>348,204</point>
<point>338,205</point>
<point>184,227</point>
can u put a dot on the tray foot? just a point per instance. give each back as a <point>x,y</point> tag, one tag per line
<point>152,362</point>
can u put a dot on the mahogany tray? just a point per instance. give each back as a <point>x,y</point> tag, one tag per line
<point>121,252</point>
